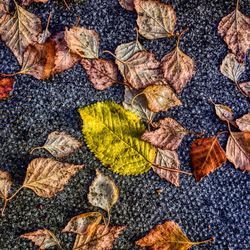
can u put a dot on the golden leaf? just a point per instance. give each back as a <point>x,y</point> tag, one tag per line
<point>244,123</point>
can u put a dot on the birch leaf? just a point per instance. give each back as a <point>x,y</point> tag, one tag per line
<point>127,4</point>
<point>245,87</point>
<point>155,19</point>
<point>206,155</point>
<point>103,192</point>
<point>83,42</point>
<point>244,123</point>
<point>46,176</point>
<point>238,150</point>
<point>6,86</point>
<point>168,134</point>
<point>5,184</point>
<point>112,134</point>
<point>20,30</point>
<point>224,112</point>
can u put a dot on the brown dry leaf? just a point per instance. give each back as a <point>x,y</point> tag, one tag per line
<point>224,112</point>
<point>244,123</point>
<point>103,192</point>
<point>168,134</point>
<point>20,30</point>
<point>4,8</point>
<point>238,150</point>
<point>46,176</point>
<point>127,4</point>
<point>167,236</point>
<point>245,87</point>
<point>155,19</point>
<point>28,2</point>
<point>5,184</point>
<point>42,238</point>
<point>169,159</point>
<point>103,239</point>
<point>160,98</point>
<point>83,42</point>
<point>235,30</point>
<point>60,144</point>
<point>231,68</point>
<point>102,73</point>
<point>206,156</point>
<point>6,86</point>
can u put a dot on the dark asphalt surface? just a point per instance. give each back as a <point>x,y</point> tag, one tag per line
<point>217,206</point>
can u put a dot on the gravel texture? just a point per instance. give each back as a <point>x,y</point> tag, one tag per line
<point>218,206</point>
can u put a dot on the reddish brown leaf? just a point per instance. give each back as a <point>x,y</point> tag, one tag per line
<point>28,2</point>
<point>244,122</point>
<point>102,73</point>
<point>245,87</point>
<point>127,4</point>
<point>206,156</point>
<point>6,86</point>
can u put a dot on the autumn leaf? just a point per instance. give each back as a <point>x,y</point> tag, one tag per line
<point>245,87</point>
<point>127,4</point>
<point>28,2</point>
<point>178,68</point>
<point>168,134</point>
<point>244,123</point>
<point>42,238</point>
<point>102,73</point>
<point>83,42</point>
<point>206,156</point>
<point>155,19</point>
<point>5,184</point>
<point>4,9</point>
<point>235,30</point>
<point>238,150</point>
<point>167,236</point>
<point>6,86</point>
<point>60,144</point>
<point>103,240</point>
<point>112,134</point>
<point>103,192</point>
<point>46,176</point>
<point>20,30</point>
<point>224,112</point>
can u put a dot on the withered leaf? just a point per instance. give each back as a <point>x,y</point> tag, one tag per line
<point>238,150</point>
<point>244,123</point>
<point>224,112</point>
<point>103,192</point>
<point>60,144</point>
<point>83,42</point>
<point>231,68</point>
<point>28,2</point>
<point>46,176</point>
<point>235,30</point>
<point>6,86</point>
<point>20,30</point>
<point>5,184</point>
<point>167,158</point>
<point>102,73</point>
<point>155,19</point>
<point>4,8</point>
<point>137,104</point>
<point>206,156</point>
<point>245,87</point>
<point>127,4</point>
<point>168,134</point>
<point>160,98</point>
<point>42,238</point>
<point>103,239</point>
<point>167,236</point>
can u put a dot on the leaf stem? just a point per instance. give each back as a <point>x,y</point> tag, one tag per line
<point>109,52</point>
<point>172,169</point>
<point>4,205</point>
<point>179,36</point>
<point>237,4</point>
<point>36,148</point>
<point>17,191</point>
<point>66,4</point>
<point>203,241</point>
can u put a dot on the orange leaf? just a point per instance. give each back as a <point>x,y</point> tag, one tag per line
<point>6,86</point>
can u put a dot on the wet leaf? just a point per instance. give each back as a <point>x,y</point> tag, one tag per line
<point>5,184</point>
<point>155,19</point>
<point>245,87</point>
<point>167,158</point>
<point>224,112</point>
<point>42,238</point>
<point>103,192</point>
<point>28,2</point>
<point>102,73</point>
<point>127,4</point>
<point>235,30</point>
<point>160,98</point>
<point>20,30</point>
<point>46,176</point>
<point>167,236</point>
<point>206,156</point>
<point>6,87</point>
<point>231,68</point>
<point>83,42</point>
<point>238,150</point>
<point>168,134</point>
<point>104,239</point>
<point>60,144</point>
<point>244,123</point>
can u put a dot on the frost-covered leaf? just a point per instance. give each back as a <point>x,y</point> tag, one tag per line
<point>6,86</point>
<point>127,4</point>
<point>5,184</point>
<point>60,144</point>
<point>168,134</point>
<point>155,19</point>
<point>103,192</point>
<point>245,87</point>
<point>46,176</point>
<point>112,133</point>
<point>206,156</point>
<point>83,42</point>
<point>244,123</point>
<point>101,72</point>
<point>224,112</point>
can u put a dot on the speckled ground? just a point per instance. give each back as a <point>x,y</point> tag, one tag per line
<point>217,206</point>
